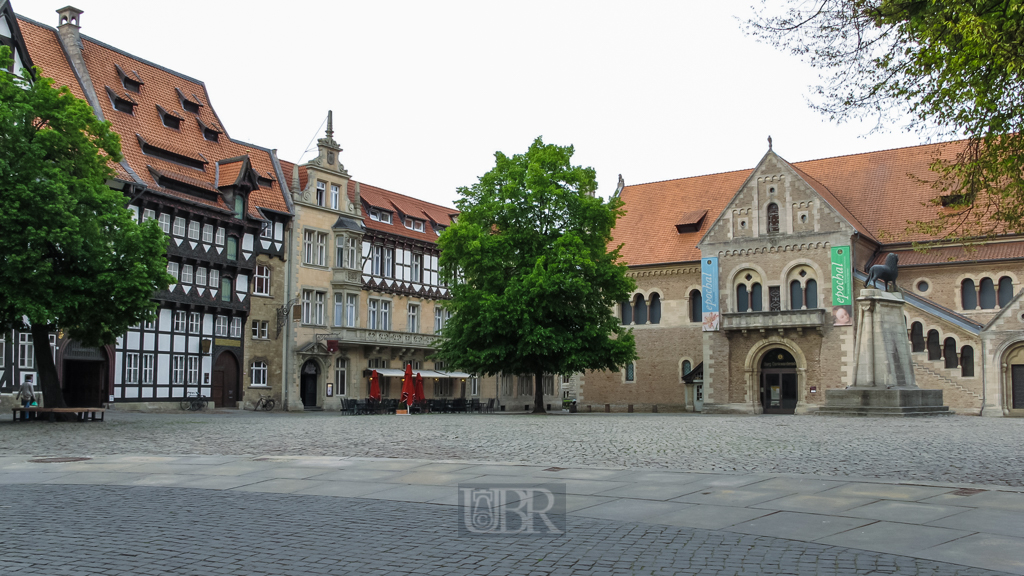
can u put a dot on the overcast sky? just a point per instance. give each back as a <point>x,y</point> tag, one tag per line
<point>424,93</point>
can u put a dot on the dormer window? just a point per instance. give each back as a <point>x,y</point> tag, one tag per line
<point>413,224</point>
<point>131,82</point>
<point>239,205</point>
<point>188,104</point>
<point>380,215</point>
<point>210,133</point>
<point>169,118</point>
<point>121,103</point>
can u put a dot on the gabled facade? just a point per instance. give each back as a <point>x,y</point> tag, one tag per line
<point>740,306</point>
<point>220,201</point>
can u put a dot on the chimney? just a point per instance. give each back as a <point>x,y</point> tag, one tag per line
<point>358,202</point>
<point>68,27</point>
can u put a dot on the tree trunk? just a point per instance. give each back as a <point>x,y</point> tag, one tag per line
<point>49,385</point>
<point>538,393</point>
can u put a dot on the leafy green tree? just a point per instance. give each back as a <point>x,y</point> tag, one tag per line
<point>950,68</point>
<point>73,256</point>
<point>533,281</point>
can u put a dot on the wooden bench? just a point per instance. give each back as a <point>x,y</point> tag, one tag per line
<point>34,412</point>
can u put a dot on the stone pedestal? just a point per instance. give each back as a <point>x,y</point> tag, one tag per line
<point>884,378</point>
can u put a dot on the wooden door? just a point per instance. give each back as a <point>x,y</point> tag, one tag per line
<point>1017,386</point>
<point>224,391</point>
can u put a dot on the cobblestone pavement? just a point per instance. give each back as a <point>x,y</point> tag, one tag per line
<point>56,530</point>
<point>957,449</point>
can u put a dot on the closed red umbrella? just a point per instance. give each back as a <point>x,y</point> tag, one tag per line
<point>419,387</point>
<point>408,387</point>
<point>374,386</point>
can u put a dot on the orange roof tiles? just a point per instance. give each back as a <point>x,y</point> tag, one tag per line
<point>387,199</point>
<point>877,192</point>
<point>647,229</point>
<point>160,88</point>
<point>980,253</point>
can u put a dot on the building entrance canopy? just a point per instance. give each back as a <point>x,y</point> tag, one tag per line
<point>424,373</point>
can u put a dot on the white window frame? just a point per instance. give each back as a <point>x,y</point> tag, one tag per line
<point>371,313</point>
<point>200,276</point>
<point>267,230</point>
<point>318,308</point>
<point>178,370</point>
<point>220,326</point>
<point>351,310</point>
<point>417,268</point>
<point>165,223</point>
<point>131,368</point>
<point>186,274</point>
<point>321,249</point>
<point>258,374</point>
<point>307,306</point>
<point>321,193</point>
<point>417,225</point>
<point>307,242</point>
<point>474,385</point>
<point>219,238</point>
<point>195,323</point>
<point>208,233</point>
<point>180,321</point>
<point>374,214</point>
<point>378,256</point>
<point>3,348</point>
<point>172,269</point>
<point>179,226</point>
<point>335,196</point>
<point>340,376</point>
<point>193,230</point>
<point>147,368</point>
<point>385,217</point>
<point>439,319</point>
<point>261,280</point>
<point>413,318</point>
<point>148,214</point>
<point>193,370</point>
<point>389,263</point>
<point>352,254</point>
<point>236,327</point>
<point>385,315</point>
<point>214,278</point>
<point>26,351</point>
<point>339,308</point>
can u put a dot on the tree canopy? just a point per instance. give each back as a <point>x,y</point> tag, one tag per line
<point>73,255</point>
<point>533,281</point>
<point>953,69</point>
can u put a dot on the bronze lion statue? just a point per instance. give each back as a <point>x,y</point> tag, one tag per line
<point>885,272</point>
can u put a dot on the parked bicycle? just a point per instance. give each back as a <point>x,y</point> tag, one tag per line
<point>265,403</point>
<point>194,402</point>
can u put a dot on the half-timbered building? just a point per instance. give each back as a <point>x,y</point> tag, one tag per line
<point>220,202</point>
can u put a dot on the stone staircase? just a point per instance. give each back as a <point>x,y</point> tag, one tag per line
<point>954,386</point>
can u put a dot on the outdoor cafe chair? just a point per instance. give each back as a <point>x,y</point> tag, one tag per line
<point>490,406</point>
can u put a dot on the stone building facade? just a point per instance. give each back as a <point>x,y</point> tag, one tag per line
<point>738,308</point>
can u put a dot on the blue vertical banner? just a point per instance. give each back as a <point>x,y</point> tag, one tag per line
<point>709,294</point>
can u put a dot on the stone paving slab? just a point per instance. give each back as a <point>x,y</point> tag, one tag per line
<point>631,510</point>
<point>739,497</point>
<point>983,551</point>
<point>894,537</point>
<point>798,526</point>
<point>1002,522</point>
<point>279,486</point>
<point>986,499</point>
<point>907,512</point>
<point>814,503</point>
<point>883,491</point>
<point>708,516</point>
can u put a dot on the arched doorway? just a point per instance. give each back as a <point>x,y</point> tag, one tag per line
<point>225,381</point>
<point>84,375</point>
<point>778,388</point>
<point>1013,378</point>
<point>309,384</point>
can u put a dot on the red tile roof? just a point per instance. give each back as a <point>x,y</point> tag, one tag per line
<point>381,198</point>
<point>160,88</point>
<point>877,192</point>
<point>981,253</point>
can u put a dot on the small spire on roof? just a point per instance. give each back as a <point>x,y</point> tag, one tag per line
<point>769,141</point>
<point>620,186</point>
<point>330,125</point>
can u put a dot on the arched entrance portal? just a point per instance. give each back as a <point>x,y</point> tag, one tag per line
<point>308,383</point>
<point>778,382</point>
<point>1013,378</point>
<point>225,381</point>
<point>84,375</point>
